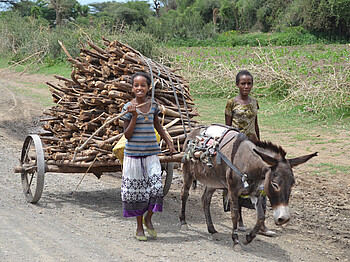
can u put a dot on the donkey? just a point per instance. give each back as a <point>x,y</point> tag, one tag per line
<point>248,165</point>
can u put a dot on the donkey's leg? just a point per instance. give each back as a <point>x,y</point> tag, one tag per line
<point>259,222</point>
<point>240,226</point>
<point>187,182</point>
<point>233,183</point>
<point>206,199</point>
<point>234,213</point>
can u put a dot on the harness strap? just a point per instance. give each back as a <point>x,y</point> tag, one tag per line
<point>220,156</point>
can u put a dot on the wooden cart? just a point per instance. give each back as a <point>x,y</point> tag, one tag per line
<point>100,85</point>
<point>34,164</point>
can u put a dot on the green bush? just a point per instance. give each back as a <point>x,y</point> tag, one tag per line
<point>290,36</point>
<point>33,40</point>
<point>145,43</point>
<point>278,89</point>
<point>174,26</point>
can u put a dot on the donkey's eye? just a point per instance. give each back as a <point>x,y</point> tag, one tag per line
<point>275,186</point>
<point>275,174</point>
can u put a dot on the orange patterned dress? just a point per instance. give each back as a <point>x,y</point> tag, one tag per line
<point>243,116</point>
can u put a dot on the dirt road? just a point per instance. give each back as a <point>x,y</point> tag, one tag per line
<point>86,224</point>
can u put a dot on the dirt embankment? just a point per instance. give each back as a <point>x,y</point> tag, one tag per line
<point>86,223</point>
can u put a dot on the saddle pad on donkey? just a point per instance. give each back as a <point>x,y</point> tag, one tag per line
<point>215,131</point>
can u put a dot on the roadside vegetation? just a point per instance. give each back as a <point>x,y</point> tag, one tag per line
<point>297,51</point>
<point>304,80</point>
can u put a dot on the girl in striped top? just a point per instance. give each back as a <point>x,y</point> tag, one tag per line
<point>141,189</point>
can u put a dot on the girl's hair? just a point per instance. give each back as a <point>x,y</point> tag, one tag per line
<point>148,78</point>
<point>243,73</point>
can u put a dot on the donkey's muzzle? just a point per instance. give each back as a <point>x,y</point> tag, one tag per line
<point>281,215</point>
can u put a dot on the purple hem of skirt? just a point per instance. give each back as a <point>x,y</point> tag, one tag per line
<point>136,213</point>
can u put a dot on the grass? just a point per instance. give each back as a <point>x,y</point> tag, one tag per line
<point>328,168</point>
<point>275,116</point>
<point>211,110</point>
<point>34,92</point>
<point>302,81</point>
<point>62,68</point>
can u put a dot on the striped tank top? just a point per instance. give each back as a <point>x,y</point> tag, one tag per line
<point>143,141</point>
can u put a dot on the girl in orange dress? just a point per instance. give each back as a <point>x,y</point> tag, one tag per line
<point>241,112</point>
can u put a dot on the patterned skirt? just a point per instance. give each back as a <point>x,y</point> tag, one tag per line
<point>142,188</point>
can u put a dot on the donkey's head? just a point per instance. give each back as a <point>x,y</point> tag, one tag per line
<point>279,179</point>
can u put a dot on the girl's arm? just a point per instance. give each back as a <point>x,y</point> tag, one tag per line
<point>163,135</point>
<point>228,120</point>
<point>257,131</point>
<point>129,126</point>
<point>229,112</point>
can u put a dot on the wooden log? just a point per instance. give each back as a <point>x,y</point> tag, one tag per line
<point>68,81</point>
<point>119,95</point>
<point>94,54</point>
<point>110,140</point>
<point>98,49</point>
<point>72,75</point>
<point>175,131</point>
<point>175,158</point>
<point>100,87</point>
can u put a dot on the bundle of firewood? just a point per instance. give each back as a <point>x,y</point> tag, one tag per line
<point>99,87</point>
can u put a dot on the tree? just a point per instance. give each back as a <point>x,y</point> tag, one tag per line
<point>228,15</point>
<point>23,7</point>
<point>156,6</point>
<point>60,7</point>
<point>325,16</point>
<point>205,8</point>
<point>272,13</point>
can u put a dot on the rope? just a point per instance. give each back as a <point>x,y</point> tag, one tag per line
<point>81,180</point>
<point>185,105</point>
<point>172,84</point>
<point>177,100</point>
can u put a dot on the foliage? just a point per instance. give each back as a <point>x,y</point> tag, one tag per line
<point>190,21</point>
<point>32,40</point>
<point>131,13</point>
<point>21,41</point>
<point>289,36</point>
<point>325,16</point>
<point>175,25</point>
<point>145,43</point>
<point>53,11</point>
<point>312,80</point>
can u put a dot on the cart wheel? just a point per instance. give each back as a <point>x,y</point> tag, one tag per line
<point>169,169</point>
<point>33,168</point>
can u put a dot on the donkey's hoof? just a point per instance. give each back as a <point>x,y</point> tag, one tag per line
<point>268,233</point>
<point>237,247</point>
<point>242,228</point>
<point>215,237</point>
<point>248,239</point>
<point>184,227</point>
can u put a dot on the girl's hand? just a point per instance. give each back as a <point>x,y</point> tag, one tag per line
<point>132,109</point>
<point>172,150</point>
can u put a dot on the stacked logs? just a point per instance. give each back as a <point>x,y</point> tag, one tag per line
<point>99,87</point>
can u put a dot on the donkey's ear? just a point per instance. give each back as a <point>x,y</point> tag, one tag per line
<point>266,158</point>
<point>300,160</point>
